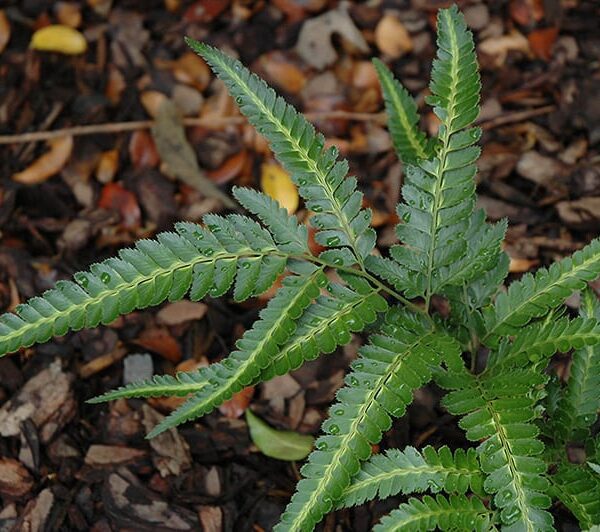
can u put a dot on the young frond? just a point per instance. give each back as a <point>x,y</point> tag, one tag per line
<point>409,141</point>
<point>534,295</point>
<point>389,368</point>
<point>193,260</point>
<point>578,406</point>
<point>439,192</point>
<point>501,411</point>
<point>410,471</point>
<point>536,343</point>
<point>458,512</point>
<point>254,350</point>
<point>578,488</point>
<point>320,177</point>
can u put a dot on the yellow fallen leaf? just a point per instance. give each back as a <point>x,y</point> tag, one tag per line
<point>276,182</point>
<point>47,164</point>
<point>59,38</point>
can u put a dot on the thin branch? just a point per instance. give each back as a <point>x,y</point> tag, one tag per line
<point>216,122</point>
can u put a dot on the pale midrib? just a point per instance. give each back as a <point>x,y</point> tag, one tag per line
<point>443,511</point>
<point>125,286</point>
<point>442,164</point>
<point>305,157</point>
<point>402,116</point>
<point>514,472</point>
<point>388,475</point>
<point>571,273</point>
<point>353,430</point>
<point>576,401</point>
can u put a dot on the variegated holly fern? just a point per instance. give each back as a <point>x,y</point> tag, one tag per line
<point>521,422</point>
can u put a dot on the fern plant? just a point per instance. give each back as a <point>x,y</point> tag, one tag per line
<point>491,353</point>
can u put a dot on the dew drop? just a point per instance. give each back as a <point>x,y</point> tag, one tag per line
<point>507,495</point>
<point>322,445</point>
<point>317,208</point>
<point>245,265</point>
<point>358,366</point>
<point>512,515</point>
<point>433,485</point>
<point>398,411</point>
<point>239,100</point>
<point>338,261</point>
<point>82,280</point>
<point>339,412</point>
<point>208,251</point>
<point>406,217</point>
<point>214,228</point>
<point>323,281</point>
<point>354,381</point>
<point>333,429</point>
<point>198,234</point>
<point>302,182</point>
<point>333,241</point>
<point>213,382</point>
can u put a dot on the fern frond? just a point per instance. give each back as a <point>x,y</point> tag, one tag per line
<point>500,410</point>
<point>410,471</point>
<point>380,386</point>
<point>439,194</point>
<point>409,141</point>
<point>578,406</point>
<point>578,488</point>
<point>327,323</point>
<point>457,512</point>
<point>340,221</point>
<point>536,343</point>
<point>534,295</point>
<point>289,235</point>
<point>255,350</point>
<point>194,259</point>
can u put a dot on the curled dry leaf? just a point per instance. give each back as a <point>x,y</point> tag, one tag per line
<point>47,165</point>
<point>278,184</point>
<point>15,480</point>
<point>314,42</point>
<point>280,71</point>
<point>107,166</point>
<point>181,312</point>
<point>497,48</point>
<point>192,69</point>
<point>4,30</point>
<point>142,150</point>
<point>541,42</point>
<point>116,198</point>
<point>392,38</point>
<point>59,38</point>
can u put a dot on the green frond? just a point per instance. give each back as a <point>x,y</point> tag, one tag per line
<point>409,141</point>
<point>320,177</point>
<point>255,350</point>
<point>401,278</point>
<point>578,488</point>
<point>534,295</point>
<point>409,471</point>
<point>457,512</point>
<point>578,406</point>
<point>289,235</point>
<point>182,384</point>
<point>379,387</point>
<point>536,343</point>
<point>193,260</point>
<point>500,410</point>
<point>439,192</point>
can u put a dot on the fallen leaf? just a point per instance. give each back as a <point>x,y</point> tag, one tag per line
<point>497,48</point>
<point>540,169</point>
<point>280,444</point>
<point>48,164</point>
<point>526,12</point>
<point>392,38</point>
<point>582,214</point>
<point>282,72</point>
<point>116,198</point>
<point>190,68</point>
<point>518,265</point>
<point>188,99</point>
<point>314,42</point>
<point>230,169</point>
<point>142,150</point>
<point>115,85</point>
<point>59,38</point>
<point>205,10</point>
<point>101,455</point>
<point>4,30</point>
<point>15,480</point>
<point>237,405</point>
<point>541,42</point>
<point>181,312</point>
<point>36,514</point>
<point>160,341</point>
<point>68,14</point>
<point>278,184</point>
<point>151,101</point>
<point>178,155</point>
<point>107,166</point>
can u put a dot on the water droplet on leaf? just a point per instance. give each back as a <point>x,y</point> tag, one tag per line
<point>333,241</point>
